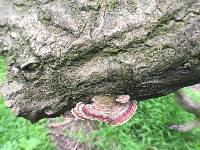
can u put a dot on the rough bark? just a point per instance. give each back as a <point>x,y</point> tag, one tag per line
<point>60,52</point>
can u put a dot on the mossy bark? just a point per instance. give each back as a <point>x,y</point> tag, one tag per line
<point>62,52</point>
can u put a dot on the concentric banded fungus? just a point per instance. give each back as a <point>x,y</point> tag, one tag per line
<point>106,109</point>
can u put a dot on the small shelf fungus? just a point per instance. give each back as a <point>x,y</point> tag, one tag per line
<point>107,108</point>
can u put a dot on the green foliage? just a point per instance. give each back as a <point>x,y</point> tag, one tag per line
<point>20,134</point>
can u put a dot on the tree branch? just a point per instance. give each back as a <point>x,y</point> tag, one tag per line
<point>63,52</point>
<point>186,102</point>
<point>186,126</point>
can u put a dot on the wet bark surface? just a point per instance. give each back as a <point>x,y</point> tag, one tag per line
<point>63,52</point>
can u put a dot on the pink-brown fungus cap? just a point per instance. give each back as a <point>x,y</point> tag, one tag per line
<point>105,108</point>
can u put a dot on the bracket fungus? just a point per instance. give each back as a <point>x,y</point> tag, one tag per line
<point>196,87</point>
<point>107,108</point>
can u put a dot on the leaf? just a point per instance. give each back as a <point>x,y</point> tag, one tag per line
<point>2,129</point>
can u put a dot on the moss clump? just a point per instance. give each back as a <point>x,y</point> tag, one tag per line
<point>45,17</point>
<point>110,51</point>
<point>161,25</point>
<point>111,4</point>
<point>79,56</point>
<point>108,4</point>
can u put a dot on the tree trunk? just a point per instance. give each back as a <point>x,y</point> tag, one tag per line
<point>64,51</point>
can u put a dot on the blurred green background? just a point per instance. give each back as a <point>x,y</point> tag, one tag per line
<point>147,130</point>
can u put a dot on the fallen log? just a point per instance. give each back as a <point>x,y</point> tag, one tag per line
<point>62,52</point>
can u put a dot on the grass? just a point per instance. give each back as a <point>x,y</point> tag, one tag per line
<point>20,134</point>
<point>147,130</point>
